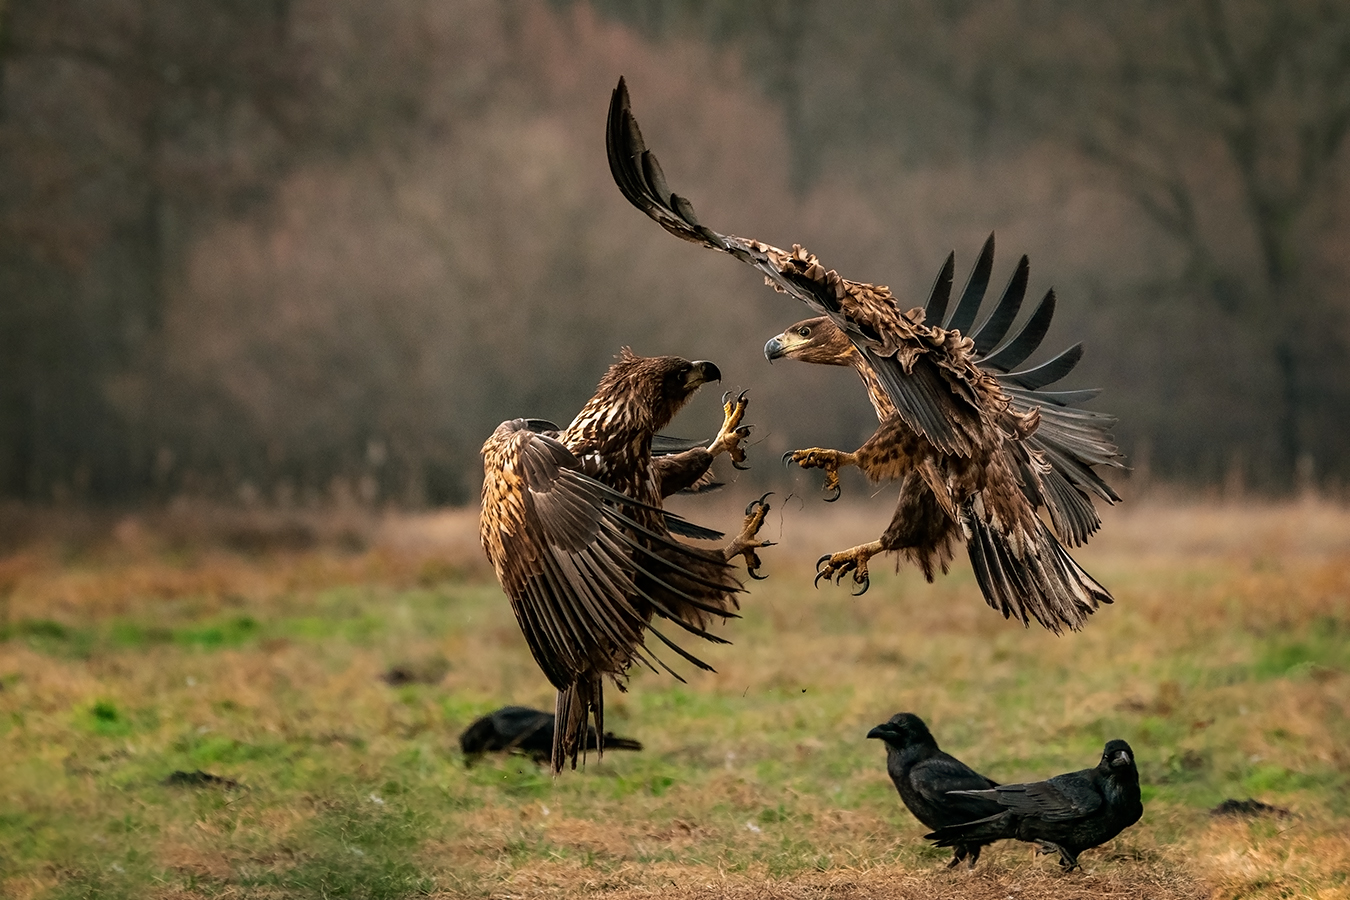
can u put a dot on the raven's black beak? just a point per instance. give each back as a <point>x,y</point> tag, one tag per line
<point>881,732</point>
<point>702,372</point>
<point>774,349</point>
<point>1120,758</point>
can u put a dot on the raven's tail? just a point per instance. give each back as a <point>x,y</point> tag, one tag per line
<point>575,709</point>
<point>1029,575</point>
<point>981,831</point>
<point>621,743</point>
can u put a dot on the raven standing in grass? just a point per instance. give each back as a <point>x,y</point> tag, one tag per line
<point>925,778</point>
<point>520,729</point>
<point>1066,814</point>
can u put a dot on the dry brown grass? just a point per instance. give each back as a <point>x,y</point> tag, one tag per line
<point>1223,662</point>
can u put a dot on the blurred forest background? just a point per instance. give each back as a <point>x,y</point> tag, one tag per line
<point>293,251</point>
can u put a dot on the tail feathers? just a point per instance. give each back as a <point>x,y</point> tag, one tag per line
<point>1037,579</point>
<point>981,831</point>
<point>613,742</point>
<point>576,708</point>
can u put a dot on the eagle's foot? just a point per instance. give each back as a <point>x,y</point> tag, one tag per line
<point>747,542</point>
<point>836,566</point>
<point>729,438</point>
<point>829,460</point>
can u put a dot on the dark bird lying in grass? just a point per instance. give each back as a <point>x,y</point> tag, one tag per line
<point>573,524</point>
<point>198,778</point>
<point>977,447</point>
<point>1248,808</point>
<point>1066,814</point>
<point>925,777</point>
<point>519,729</point>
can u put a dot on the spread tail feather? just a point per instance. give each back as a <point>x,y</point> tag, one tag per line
<point>1039,580</point>
<point>575,709</point>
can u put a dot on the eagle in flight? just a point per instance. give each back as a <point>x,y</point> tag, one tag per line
<point>573,525</point>
<point>977,446</point>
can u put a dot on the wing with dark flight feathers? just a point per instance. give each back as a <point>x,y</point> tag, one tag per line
<point>573,560</point>
<point>933,399</point>
<point>1060,799</point>
<point>937,777</point>
<point>1071,440</point>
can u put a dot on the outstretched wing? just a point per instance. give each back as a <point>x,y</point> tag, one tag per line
<point>1071,440</point>
<point>933,393</point>
<point>571,558</point>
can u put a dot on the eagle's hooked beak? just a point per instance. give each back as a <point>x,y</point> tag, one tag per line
<point>701,372</point>
<point>774,349</point>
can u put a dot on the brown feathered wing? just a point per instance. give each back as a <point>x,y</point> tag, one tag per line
<point>583,575</point>
<point>959,394</point>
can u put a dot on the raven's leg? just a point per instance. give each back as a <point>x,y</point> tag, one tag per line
<point>958,854</point>
<point>747,542</point>
<point>729,438</point>
<point>829,460</point>
<point>853,560</point>
<point>1067,861</point>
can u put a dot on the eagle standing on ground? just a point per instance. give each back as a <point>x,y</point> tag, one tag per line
<point>573,524</point>
<point>977,449</point>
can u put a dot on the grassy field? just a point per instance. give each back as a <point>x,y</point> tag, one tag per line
<point>255,649</point>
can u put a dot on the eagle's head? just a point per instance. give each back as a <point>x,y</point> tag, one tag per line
<point>816,340</point>
<point>659,386</point>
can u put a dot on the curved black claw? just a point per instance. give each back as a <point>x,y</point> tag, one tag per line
<point>725,395</point>
<point>741,396</point>
<point>744,431</point>
<point>819,573</point>
<point>838,492</point>
<point>838,574</point>
<point>787,457</point>
<point>750,507</point>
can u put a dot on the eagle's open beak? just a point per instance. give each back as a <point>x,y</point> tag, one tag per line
<point>774,349</point>
<point>701,373</point>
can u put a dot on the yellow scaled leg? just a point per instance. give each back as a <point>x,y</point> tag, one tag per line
<point>729,439</point>
<point>836,565</point>
<point>829,460</point>
<point>747,542</point>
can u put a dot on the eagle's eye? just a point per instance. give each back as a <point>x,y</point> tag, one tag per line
<point>804,331</point>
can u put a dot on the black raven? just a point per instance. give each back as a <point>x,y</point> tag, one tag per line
<point>519,729</point>
<point>924,776</point>
<point>1068,813</point>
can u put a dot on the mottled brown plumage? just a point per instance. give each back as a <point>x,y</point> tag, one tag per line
<point>573,525</point>
<point>977,449</point>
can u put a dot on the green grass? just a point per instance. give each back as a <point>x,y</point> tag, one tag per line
<point>758,774</point>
